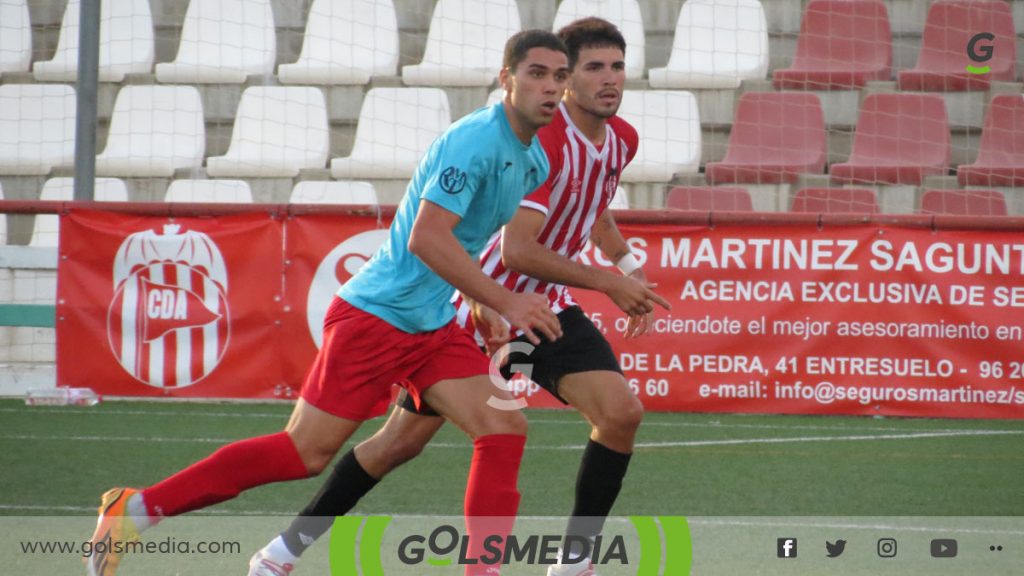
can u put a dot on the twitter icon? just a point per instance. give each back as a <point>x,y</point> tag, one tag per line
<point>834,550</point>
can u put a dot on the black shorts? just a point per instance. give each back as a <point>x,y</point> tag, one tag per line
<point>582,348</point>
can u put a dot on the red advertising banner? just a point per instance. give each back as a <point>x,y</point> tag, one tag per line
<point>845,320</point>
<point>321,253</point>
<point>160,306</point>
<point>773,318</point>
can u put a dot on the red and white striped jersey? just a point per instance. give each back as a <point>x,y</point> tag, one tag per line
<point>580,186</point>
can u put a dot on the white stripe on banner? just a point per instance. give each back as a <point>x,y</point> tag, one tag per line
<point>211,340</point>
<point>129,319</point>
<point>183,355</point>
<point>155,347</point>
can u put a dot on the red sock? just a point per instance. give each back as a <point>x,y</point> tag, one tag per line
<point>492,498</point>
<point>226,473</point>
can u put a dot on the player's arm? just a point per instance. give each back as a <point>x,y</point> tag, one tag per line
<point>609,240</point>
<point>433,241</point>
<point>489,324</point>
<point>521,252</point>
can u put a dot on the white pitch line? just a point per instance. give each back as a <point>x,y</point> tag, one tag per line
<point>117,439</point>
<point>533,421</point>
<point>717,426</point>
<point>693,443</point>
<point>868,437</point>
<point>62,411</point>
<point>461,445</point>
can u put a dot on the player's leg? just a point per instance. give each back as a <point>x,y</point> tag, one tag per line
<point>457,385</point>
<point>614,413</point>
<point>580,369</point>
<point>304,448</point>
<point>401,439</point>
<point>492,493</point>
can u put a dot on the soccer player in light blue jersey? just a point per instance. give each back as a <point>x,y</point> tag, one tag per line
<point>394,322</point>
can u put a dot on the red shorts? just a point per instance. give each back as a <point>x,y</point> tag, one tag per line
<point>362,356</point>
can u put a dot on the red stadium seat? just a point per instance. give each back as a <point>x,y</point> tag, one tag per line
<point>899,139</point>
<point>709,198</point>
<point>776,136</point>
<point>963,202</point>
<point>835,200</point>
<point>842,45</point>
<point>949,28</point>
<point>1001,152</point>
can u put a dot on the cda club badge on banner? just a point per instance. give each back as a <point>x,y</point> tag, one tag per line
<point>169,320</point>
<point>158,306</point>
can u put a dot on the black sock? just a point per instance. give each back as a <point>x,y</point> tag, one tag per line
<point>597,486</point>
<point>347,483</point>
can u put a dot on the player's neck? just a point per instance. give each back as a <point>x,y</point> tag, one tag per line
<point>590,125</point>
<point>523,130</point>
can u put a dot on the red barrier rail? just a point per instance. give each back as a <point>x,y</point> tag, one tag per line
<point>666,216</point>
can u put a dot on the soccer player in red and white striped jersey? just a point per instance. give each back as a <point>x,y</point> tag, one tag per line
<point>582,182</point>
<point>588,147</point>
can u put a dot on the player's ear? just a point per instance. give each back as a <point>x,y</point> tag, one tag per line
<point>505,79</point>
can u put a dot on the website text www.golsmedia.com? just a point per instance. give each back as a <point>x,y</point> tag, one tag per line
<point>166,546</point>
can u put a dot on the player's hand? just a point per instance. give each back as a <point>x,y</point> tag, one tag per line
<point>640,324</point>
<point>529,312</point>
<point>634,295</point>
<point>491,326</point>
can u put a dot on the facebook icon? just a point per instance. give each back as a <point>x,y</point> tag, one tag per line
<point>786,547</point>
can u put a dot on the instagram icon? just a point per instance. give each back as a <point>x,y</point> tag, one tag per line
<point>886,547</point>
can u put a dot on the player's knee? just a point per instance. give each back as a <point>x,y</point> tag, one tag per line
<point>623,418</point>
<point>401,451</point>
<point>316,461</point>
<point>509,422</point>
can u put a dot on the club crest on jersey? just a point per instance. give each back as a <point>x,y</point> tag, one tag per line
<point>610,185</point>
<point>453,180</point>
<point>168,322</point>
<point>575,186</point>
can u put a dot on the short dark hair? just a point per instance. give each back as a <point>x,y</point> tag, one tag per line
<point>521,42</point>
<point>590,32</point>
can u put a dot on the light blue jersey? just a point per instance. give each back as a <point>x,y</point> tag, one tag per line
<point>479,170</point>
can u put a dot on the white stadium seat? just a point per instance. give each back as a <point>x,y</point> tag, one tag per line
<point>222,191</point>
<point>47,226</point>
<point>625,14</point>
<point>326,192</point>
<point>15,36</point>
<point>396,126</point>
<point>346,42</point>
<point>153,131</point>
<point>670,137</point>
<point>126,43</point>
<point>223,41</point>
<point>278,131</point>
<point>465,43</point>
<point>37,128</point>
<point>718,43</point>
